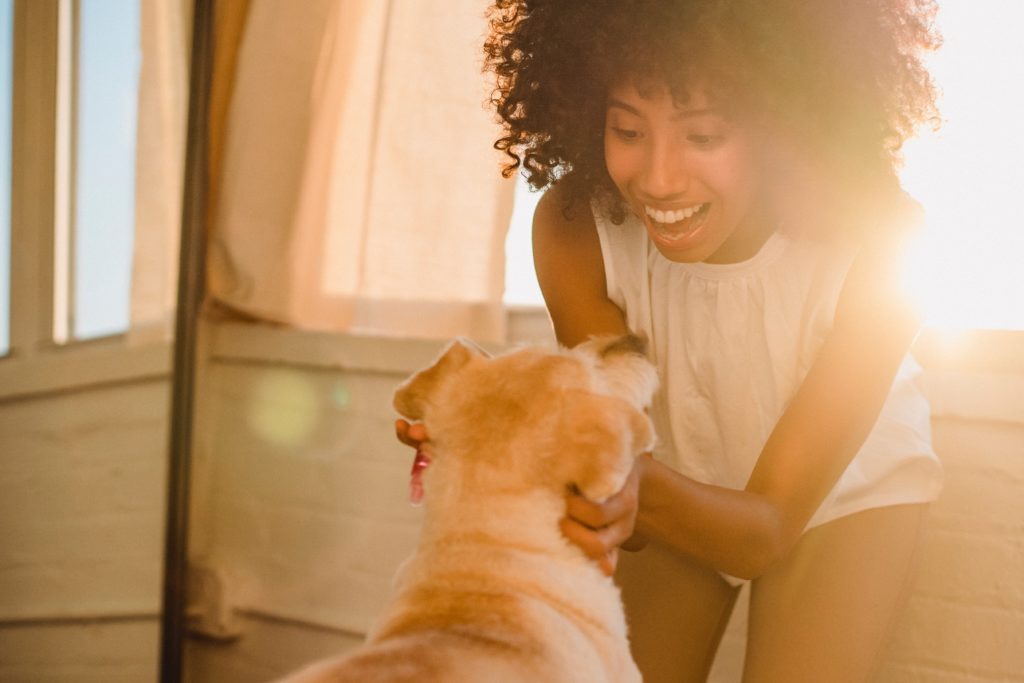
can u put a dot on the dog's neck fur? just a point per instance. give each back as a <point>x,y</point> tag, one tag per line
<point>457,507</point>
<point>516,534</point>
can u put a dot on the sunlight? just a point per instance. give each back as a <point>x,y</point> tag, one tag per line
<point>521,288</point>
<point>966,270</point>
<point>284,408</point>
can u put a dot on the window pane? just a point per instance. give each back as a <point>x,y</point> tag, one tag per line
<point>6,47</point>
<point>108,70</point>
<point>521,286</point>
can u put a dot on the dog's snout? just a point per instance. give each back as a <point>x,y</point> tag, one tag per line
<point>627,343</point>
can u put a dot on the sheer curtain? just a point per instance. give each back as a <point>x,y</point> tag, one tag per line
<point>165,35</point>
<point>354,183</point>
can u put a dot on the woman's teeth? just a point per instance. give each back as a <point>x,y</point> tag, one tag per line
<point>674,225</point>
<point>670,217</point>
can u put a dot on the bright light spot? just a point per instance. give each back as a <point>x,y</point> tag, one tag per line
<point>967,271</point>
<point>521,286</point>
<point>283,408</point>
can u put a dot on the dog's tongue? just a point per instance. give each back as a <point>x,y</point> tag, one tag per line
<point>419,463</point>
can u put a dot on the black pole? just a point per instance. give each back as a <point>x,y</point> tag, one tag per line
<point>191,285</point>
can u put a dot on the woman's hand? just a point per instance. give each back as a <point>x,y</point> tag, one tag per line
<point>601,529</point>
<point>410,434</point>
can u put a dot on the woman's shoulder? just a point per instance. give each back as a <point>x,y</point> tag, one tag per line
<point>561,217</point>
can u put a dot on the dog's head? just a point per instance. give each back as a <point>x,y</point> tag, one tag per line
<point>536,418</point>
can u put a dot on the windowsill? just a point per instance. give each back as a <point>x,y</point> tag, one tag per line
<point>83,365</point>
<point>976,375</point>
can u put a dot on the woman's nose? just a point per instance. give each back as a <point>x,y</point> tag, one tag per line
<point>666,174</point>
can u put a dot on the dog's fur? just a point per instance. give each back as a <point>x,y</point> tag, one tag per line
<point>495,593</point>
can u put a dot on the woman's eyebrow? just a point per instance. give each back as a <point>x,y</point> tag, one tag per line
<point>619,104</point>
<point>693,113</point>
<point>681,114</point>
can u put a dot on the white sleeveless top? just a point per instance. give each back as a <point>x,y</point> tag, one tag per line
<point>733,342</point>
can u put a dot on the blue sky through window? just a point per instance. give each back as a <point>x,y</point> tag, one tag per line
<point>109,61</point>
<point>108,72</point>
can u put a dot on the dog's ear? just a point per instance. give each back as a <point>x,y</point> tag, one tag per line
<point>413,394</point>
<point>602,436</point>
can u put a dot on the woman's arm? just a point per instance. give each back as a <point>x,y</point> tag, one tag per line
<point>570,270</point>
<point>739,532</point>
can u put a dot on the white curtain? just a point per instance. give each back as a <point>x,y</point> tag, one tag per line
<point>357,187</point>
<point>165,36</point>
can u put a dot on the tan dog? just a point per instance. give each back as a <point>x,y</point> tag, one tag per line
<point>494,592</point>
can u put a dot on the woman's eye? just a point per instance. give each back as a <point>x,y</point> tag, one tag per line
<point>626,134</point>
<point>702,140</point>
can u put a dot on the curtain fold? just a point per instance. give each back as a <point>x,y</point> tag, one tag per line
<point>165,34</point>
<point>357,187</point>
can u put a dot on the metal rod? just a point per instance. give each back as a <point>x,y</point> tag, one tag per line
<point>191,285</point>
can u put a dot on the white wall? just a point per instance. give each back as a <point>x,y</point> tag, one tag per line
<point>83,439</point>
<point>311,528</point>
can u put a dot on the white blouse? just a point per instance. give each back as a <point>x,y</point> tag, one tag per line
<point>733,342</point>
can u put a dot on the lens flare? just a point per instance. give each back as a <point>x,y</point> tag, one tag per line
<point>968,175</point>
<point>283,408</point>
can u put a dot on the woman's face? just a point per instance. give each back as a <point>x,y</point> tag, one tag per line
<point>691,175</point>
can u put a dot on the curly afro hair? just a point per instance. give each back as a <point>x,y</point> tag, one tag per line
<point>839,84</point>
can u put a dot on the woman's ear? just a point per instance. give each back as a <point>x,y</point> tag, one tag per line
<point>413,395</point>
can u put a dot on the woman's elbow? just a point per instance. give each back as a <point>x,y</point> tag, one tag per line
<point>768,542</point>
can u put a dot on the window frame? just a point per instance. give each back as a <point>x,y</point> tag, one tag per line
<point>38,361</point>
<point>33,184</point>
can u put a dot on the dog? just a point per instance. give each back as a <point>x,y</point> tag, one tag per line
<point>494,593</point>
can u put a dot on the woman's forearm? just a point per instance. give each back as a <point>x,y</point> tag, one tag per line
<point>737,532</point>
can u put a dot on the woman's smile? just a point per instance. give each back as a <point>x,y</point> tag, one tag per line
<point>671,227</point>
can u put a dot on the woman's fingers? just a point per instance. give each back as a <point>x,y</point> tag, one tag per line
<point>599,529</point>
<point>620,506</point>
<point>417,432</point>
<point>609,562</point>
<point>410,434</point>
<point>600,546</point>
<point>585,512</point>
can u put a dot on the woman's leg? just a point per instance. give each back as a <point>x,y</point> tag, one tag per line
<point>826,612</point>
<point>676,610</point>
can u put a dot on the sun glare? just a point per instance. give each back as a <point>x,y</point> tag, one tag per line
<point>967,269</point>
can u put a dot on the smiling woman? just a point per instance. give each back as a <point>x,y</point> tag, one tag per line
<point>966,175</point>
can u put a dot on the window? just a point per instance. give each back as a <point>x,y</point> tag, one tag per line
<point>6,51</point>
<point>521,288</point>
<point>68,111</point>
<point>100,103</point>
